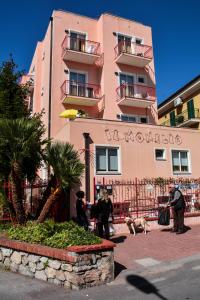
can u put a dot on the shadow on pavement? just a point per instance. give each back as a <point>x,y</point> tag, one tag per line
<point>118,239</point>
<point>118,268</point>
<point>186,228</point>
<point>144,285</point>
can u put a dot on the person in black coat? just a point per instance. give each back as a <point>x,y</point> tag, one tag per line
<point>104,211</point>
<point>178,204</point>
<point>80,211</point>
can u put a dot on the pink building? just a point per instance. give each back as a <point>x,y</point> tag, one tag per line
<point>105,67</point>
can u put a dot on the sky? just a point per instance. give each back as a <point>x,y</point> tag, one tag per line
<point>175,28</point>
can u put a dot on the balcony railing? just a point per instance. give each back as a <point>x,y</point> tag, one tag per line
<point>133,53</point>
<point>80,45</point>
<point>86,93</point>
<point>135,95</point>
<point>184,119</point>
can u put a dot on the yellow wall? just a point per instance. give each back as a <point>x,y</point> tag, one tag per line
<point>180,109</point>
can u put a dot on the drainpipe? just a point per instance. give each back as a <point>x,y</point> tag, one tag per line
<point>50,83</point>
<point>86,136</point>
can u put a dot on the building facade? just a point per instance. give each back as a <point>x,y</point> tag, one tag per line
<point>182,109</point>
<point>105,67</point>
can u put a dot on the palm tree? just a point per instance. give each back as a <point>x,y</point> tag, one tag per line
<point>67,170</point>
<point>24,143</point>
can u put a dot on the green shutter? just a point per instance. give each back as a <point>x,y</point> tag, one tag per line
<point>190,107</point>
<point>172,118</point>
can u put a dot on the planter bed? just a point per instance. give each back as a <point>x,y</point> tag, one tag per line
<point>75,267</point>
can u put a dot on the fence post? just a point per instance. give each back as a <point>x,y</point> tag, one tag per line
<point>136,194</point>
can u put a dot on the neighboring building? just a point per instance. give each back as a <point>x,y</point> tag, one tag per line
<point>106,68</point>
<point>182,109</point>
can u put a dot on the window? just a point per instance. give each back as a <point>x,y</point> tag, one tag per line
<point>127,118</point>
<point>138,41</point>
<point>160,154</point>
<point>143,120</point>
<point>180,161</point>
<point>107,160</point>
<point>141,79</point>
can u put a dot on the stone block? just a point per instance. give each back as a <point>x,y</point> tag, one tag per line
<point>44,259</point>
<point>6,252</point>
<point>67,267</point>
<point>33,258</point>
<point>14,267</point>
<point>25,271</point>
<point>41,275</point>
<point>1,256</point>
<point>16,257</point>
<point>25,260</point>
<point>60,275</point>
<point>40,266</point>
<point>32,266</point>
<point>7,262</point>
<point>50,272</point>
<point>57,282</point>
<point>55,264</point>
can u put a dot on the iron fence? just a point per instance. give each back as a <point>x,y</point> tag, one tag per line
<point>145,197</point>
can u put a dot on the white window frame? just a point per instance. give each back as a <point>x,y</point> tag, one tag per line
<point>189,162</point>
<point>118,156</point>
<point>164,156</point>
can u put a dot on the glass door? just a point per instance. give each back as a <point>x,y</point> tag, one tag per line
<point>77,41</point>
<point>124,44</point>
<point>127,85</point>
<point>77,84</point>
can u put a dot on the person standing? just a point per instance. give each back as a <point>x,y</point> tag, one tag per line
<point>178,208</point>
<point>104,210</point>
<point>80,211</point>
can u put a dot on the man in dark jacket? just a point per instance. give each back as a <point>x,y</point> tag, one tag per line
<point>178,204</point>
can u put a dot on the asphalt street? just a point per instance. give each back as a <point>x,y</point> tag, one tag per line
<point>177,280</point>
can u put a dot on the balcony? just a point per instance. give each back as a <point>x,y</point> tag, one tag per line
<point>185,119</point>
<point>80,50</point>
<point>78,93</point>
<point>133,54</point>
<point>136,95</point>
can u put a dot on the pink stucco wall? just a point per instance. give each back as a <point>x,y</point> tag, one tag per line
<point>98,30</point>
<point>137,144</point>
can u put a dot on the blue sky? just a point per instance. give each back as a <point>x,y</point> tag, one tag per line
<point>175,26</point>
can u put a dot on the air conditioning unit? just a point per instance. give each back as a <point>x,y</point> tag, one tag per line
<point>178,101</point>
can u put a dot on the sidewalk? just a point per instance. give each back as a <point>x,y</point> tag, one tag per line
<point>155,247</point>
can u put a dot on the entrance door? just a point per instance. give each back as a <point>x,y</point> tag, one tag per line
<point>77,84</point>
<point>190,107</point>
<point>127,85</point>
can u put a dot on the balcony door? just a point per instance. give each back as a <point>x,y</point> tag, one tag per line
<point>126,85</point>
<point>77,41</point>
<point>77,84</point>
<point>124,44</point>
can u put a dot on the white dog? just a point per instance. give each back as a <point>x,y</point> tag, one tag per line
<point>134,223</point>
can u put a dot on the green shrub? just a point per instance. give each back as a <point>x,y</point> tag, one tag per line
<point>49,233</point>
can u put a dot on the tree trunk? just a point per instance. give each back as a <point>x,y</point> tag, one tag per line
<point>50,201</point>
<point>51,184</point>
<point>68,206</point>
<point>17,193</point>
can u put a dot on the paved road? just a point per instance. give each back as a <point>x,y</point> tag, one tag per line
<point>177,280</point>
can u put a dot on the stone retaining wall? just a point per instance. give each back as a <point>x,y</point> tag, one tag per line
<point>76,267</point>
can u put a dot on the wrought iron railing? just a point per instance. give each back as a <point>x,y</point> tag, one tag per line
<point>86,90</point>
<point>133,49</point>
<point>80,45</point>
<point>136,91</point>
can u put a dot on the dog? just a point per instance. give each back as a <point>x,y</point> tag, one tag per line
<point>134,223</point>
